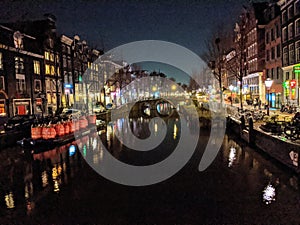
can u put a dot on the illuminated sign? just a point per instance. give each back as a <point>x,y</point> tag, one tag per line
<point>297,69</point>
<point>285,84</point>
<point>293,83</point>
<point>72,150</point>
<point>68,86</point>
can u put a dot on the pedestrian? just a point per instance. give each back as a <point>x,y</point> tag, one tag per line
<point>255,103</point>
<point>259,104</point>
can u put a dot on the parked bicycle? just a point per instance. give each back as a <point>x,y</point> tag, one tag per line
<point>292,130</point>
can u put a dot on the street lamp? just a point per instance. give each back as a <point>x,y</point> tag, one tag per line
<point>268,84</point>
<point>231,89</point>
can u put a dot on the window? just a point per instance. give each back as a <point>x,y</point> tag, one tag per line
<point>47,69</point>
<point>284,16</point>
<point>278,51</point>
<point>69,50</point>
<point>1,61</point>
<point>47,55</point>
<point>287,75</point>
<point>291,31</point>
<point>66,78</point>
<point>277,30</point>
<point>2,84</point>
<point>285,56</point>
<point>64,62</point>
<point>291,54</point>
<point>298,51</point>
<point>273,53</point>
<point>272,35</point>
<point>53,85</point>
<point>48,88</point>
<point>297,7</point>
<point>268,55</point>
<point>19,65</point>
<point>284,34</point>
<point>278,72</point>
<point>267,37</point>
<point>20,83</point>
<point>36,67</point>
<point>18,40</point>
<point>291,12</point>
<point>37,85</point>
<point>297,27</point>
<point>52,72</point>
<point>51,57</point>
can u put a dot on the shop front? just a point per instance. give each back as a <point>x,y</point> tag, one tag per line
<point>22,106</point>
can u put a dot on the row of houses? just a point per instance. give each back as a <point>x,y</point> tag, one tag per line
<point>271,49</point>
<point>41,70</point>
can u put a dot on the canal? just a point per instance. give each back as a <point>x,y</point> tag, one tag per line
<point>241,186</point>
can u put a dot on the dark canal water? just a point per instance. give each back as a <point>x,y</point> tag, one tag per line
<point>242,186</point>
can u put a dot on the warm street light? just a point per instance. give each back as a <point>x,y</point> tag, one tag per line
<point>268,84</point>
<point>231,89</point>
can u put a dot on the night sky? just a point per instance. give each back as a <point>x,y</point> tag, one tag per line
<point>109,23</point>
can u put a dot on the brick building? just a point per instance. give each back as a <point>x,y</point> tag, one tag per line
<point>273,68</point>
<point>290,24</point>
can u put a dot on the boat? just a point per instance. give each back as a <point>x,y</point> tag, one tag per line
<point>44,138</point>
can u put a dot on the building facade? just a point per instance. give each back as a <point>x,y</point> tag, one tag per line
<point>273,69</point>
<point>255,51</point>
<point>41,71</point>
<point>290,24</point>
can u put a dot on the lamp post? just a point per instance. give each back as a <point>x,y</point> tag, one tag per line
<point>231,89</point>
<point>268,84</point>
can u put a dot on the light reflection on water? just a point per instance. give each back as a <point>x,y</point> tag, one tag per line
<point>52,170</point>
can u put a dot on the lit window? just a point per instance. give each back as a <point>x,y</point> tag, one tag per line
<point>36,67</point>
<point>19,65</point>
<point>52,57</point>
<point>47,69</point>
<point>52,70</point>
<point>47,55</point>
<point>1,61</point>
<point>2,84</point>
<point>18,40</point>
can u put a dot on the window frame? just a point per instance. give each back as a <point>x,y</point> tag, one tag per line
<point>2,80</point>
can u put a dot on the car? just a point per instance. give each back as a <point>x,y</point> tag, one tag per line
<point>68,113</point>
<point>19,122</point>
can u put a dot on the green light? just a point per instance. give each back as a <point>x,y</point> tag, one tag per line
<point>84,151</point>
<point>286,84</point>
<point>80,78</point>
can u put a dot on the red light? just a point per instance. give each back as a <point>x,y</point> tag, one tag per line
<point>293,83</point>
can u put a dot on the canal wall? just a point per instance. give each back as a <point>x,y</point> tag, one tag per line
<point>284,151</point>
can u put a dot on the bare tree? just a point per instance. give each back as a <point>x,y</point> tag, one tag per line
<point>213,55</point>
<point>237,65</point>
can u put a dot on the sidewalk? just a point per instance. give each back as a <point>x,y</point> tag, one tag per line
<point>272,111</point>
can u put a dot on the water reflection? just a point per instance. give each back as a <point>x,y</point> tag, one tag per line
<point>269,194</point>
<point>26,177</point>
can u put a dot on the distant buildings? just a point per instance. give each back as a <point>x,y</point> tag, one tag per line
<point>40,70</point>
